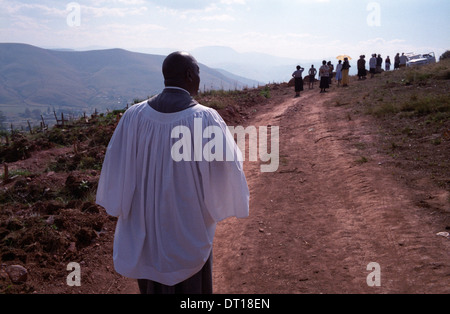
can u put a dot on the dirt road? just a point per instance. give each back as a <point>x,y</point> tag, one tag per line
<point>333,207</point>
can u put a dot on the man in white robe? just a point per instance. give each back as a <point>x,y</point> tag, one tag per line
<point>168,207</point>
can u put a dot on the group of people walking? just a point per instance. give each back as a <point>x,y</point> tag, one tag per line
<point>326,71</point>
<point>376,63</point>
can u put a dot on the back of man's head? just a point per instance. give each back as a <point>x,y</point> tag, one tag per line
<point>181,69</point>
<point>175,66</point>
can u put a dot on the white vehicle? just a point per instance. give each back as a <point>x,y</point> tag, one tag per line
<point>420,59</point>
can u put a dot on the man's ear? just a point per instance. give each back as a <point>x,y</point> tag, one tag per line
<point>189,76</point>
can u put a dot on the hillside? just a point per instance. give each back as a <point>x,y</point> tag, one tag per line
<point>364,176</point>
<point>71,81</point>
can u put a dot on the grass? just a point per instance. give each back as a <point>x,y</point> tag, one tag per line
<point>265,92</point>
<point>411,108</point>
<point>17,172</point>
<point>233,99</point>
<point>416,105</point>
<point>410,93</point>
<point>217,104</point>
<point>360,146</point>
<point>362,160</point>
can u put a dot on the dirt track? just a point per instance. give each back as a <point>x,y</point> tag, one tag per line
<point>317,222</point>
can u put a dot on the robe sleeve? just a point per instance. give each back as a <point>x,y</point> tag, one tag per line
<point>225,188</point>
<point>117,181</point>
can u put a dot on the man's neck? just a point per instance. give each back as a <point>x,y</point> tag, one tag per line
<point>178,88</point>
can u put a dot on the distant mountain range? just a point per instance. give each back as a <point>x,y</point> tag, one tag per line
<point>80,80</point>
<point>257,66</point>
<point>254,65</point>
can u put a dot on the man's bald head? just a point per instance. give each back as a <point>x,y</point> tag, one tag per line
<point>180,69</point>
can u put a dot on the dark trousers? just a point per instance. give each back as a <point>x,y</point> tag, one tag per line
<point>298,84</point>
<point>200,283</point>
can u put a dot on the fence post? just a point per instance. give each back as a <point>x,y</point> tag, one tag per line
<point>6,172</point>
<point>29,126</point>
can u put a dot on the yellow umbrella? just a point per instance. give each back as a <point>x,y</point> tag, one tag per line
<point>342,57</point>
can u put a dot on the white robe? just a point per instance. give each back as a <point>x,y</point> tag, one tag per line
<point>167,211</point>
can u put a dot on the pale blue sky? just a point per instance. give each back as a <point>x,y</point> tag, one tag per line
<point>302,29</point>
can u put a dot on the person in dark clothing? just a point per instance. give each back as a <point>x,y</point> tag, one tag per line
<point>379,64</point>
<point>312,76</point>
<point>397,61</point>
<point>324,72</point>
<point>362,72</point>
<point>298,76</point>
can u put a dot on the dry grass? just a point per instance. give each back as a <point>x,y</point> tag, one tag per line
<point>412,110</point>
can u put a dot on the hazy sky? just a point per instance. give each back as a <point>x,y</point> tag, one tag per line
<point>302,29</point>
